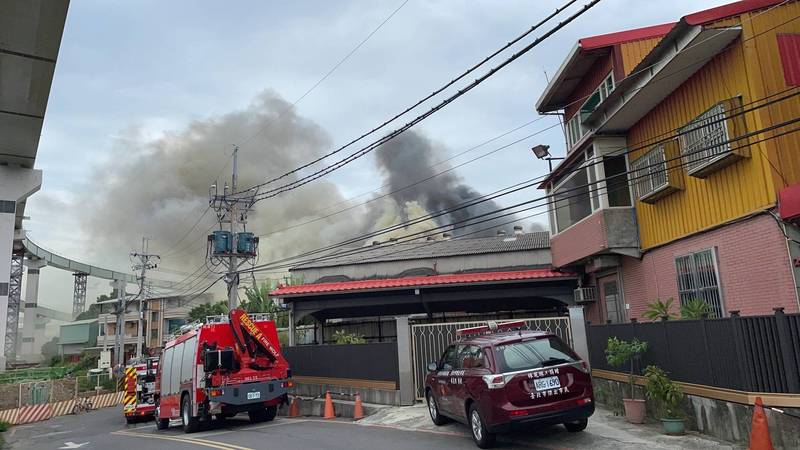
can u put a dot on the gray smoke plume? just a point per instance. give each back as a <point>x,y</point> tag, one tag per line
<point>409,158</point>
<point>158,188</point>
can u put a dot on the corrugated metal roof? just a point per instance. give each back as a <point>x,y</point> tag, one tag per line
<point>418,282</point>
<point>436,249</point>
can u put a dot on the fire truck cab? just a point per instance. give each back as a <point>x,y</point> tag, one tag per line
<point>228,365</point>
<point>140,390</point>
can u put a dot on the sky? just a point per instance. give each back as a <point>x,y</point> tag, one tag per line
<point>130,73</point>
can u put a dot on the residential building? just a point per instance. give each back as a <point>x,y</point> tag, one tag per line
<point>77,337</point>
<point>672,173</point>
<point>163,317</point>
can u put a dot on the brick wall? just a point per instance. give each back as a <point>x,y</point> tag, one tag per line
<point>754,267</point>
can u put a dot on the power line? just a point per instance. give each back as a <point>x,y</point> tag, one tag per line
<point>451,83</point>
<point>327,74</point>
<point>627,150</point>
<point>628,181</point>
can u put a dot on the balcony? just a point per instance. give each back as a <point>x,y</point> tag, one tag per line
<point>606,231</point>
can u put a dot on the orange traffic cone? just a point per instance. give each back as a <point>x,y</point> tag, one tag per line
<point>328,412</point>
<point>358,409</point>
<point>294,408</point>
<point>759,433</point>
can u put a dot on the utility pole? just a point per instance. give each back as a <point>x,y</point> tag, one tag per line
<point>145,261</point>
<point>232,247</point>
<point>119,336</point>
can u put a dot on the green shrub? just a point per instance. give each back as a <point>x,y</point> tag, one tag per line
<point>664,391</point>
<point>619,352</point>
<point>660,310</point>
<point>694,309</point>
<point>4,426</point>
<point>343,337</point>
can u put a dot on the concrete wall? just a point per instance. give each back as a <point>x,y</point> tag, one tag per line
<point>754,268</point>
<point>449,264</point>
<point>723,420</point>
<point>604,230</point>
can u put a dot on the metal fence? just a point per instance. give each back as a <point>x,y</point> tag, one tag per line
<point>755,354</point>
<point>429,340</point>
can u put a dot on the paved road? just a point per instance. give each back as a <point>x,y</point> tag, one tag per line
<point>106,429</point>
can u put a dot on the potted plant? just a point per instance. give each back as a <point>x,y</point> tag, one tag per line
<point>619,352</point>
<point>659,309</point>
<point>667,393</point>
<point>694,309</point>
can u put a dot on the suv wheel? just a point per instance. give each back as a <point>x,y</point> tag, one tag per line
<point>482,437</point>
<point>433,409</point>
<point>576,426</point>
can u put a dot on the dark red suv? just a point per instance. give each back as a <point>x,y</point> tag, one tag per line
<point>499,381</point>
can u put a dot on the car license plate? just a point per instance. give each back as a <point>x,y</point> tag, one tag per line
<point>253,395</point>
<point>543,384</point>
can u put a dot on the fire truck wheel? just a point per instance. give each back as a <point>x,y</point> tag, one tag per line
<point>162,424</point>
<point>272,411</point>
<point>190,424</point>
<point>257,415</point>
<point>220,417</point>
<point>130,420</point>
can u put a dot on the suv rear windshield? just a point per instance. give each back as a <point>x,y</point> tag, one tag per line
<point>543,352</point>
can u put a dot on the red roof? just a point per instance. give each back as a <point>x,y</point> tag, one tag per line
<point>729,10</point>
<point>423,281</point>
<point>607,40</point>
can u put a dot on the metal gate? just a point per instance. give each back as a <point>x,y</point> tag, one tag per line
<point>429,340</point>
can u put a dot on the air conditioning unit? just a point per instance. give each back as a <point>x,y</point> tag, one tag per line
<point>585,294</point>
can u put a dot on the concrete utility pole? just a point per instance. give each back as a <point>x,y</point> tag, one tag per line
<point>119,336</point>
<point>145,261</point>
<point>237,247</point>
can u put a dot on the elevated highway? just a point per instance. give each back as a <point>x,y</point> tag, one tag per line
<point>30,37</point>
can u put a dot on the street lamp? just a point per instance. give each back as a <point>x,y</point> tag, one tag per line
<point>543,152</point>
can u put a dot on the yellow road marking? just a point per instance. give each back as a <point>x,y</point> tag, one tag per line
<point>201,442</point>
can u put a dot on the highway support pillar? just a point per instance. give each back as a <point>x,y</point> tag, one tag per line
<point>32,340</point>
<point>16,185</point>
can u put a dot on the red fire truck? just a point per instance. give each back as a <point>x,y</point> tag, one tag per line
<point>228,365</point>
<point>140,390</point>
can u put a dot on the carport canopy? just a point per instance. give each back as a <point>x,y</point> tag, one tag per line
<point>476,292</point>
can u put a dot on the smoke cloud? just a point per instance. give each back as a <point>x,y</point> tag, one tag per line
<point>409,158</point>
<point>159,187</point>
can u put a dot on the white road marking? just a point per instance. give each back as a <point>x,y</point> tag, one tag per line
<point>70,444</point>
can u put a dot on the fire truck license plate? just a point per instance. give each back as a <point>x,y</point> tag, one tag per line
<point>543,384</point>
<point>253,395</point>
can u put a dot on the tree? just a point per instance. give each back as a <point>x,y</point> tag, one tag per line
<point>94,308</point>
<point>618,352</point>
<point>200,312</point>
<point>258,301</point>
<point>50,349</point>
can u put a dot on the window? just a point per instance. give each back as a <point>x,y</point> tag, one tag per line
<point>572,200</point>
<point>650,172</point>
<point>449,359</point>
<point>528,355</point>
<point>575,130</point>
<point>705,139</point>
<point>598,96</point>
<point>698,278</point>
<point>471,357</point>
<point>617,180</point>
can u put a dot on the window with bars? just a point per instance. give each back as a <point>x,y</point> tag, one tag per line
<point>705,139</point>
<point>698,278</point>
<point>649,172</point>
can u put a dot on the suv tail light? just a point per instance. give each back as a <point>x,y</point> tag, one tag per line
<point>583,366</point>
<point>494,381</point>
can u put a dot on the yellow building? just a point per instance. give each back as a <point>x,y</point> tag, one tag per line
<point>680,138</point>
